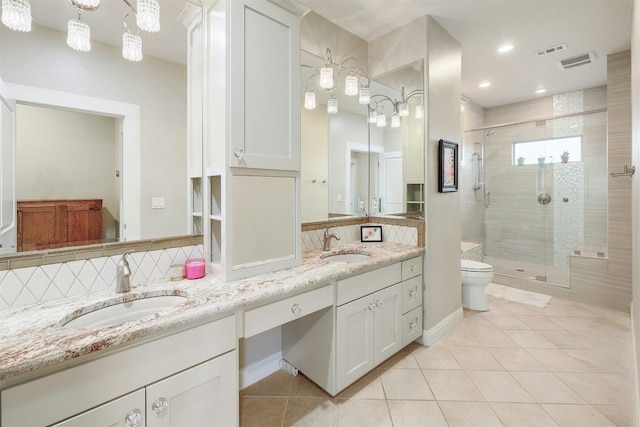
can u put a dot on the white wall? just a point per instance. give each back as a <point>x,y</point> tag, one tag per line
<point>42,59</point>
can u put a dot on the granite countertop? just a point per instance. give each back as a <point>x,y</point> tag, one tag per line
<point>32,337</point>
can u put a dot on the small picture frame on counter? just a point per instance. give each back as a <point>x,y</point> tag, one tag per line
<point>371,233</point>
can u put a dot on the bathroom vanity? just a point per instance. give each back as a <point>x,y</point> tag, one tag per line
<point>146,370</point>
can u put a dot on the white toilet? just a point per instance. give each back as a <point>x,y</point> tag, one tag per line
<point>475,276</point>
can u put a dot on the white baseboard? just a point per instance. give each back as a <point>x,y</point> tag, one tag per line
<point>429,337</point>
<point>636,382</point>
<point>253,373</point>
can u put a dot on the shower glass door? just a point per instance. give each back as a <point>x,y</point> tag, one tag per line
<point>539,209</point>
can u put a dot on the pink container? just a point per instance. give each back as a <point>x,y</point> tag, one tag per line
<point>194,268</point>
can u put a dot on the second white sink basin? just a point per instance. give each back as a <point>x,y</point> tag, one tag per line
<point>346,257</point>
<point>124,311</point>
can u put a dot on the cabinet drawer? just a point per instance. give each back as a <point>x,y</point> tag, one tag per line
<point>367,283</point>
<point>411,293</point>
<point>280,312</point>
<point>411,326</point>
<point>411,268</point>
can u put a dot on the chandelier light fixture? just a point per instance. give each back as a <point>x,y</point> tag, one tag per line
<point>148,16</point>
<point>78,34</point>
<point>16,14</point>
<point>328,76</point>
<point>400,107</point>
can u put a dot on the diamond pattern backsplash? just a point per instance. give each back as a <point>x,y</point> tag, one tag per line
<point>312,240</point>
<point>31,285</point>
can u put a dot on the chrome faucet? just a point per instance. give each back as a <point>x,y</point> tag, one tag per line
<point>123,274</point>
<point>327,239</point>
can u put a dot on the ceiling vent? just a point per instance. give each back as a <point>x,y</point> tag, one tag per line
<point>576,61</point>
<point>552,49</point>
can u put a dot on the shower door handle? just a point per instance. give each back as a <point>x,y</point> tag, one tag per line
<point>487,201</point>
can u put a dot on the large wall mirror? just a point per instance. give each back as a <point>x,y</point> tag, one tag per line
<point>82,144</point>
<point>355,161</point>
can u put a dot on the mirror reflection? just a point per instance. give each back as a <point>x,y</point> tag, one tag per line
<point>83,151</point>
<point>362,159</point>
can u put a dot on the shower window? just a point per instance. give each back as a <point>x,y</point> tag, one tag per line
<point>549,149</point>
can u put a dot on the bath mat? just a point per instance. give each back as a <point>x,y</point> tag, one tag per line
<point>517,295</point>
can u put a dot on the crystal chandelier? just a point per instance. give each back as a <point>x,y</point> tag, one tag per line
<point>148,15</point>
<point>16,14</point>
<point>78,35</point>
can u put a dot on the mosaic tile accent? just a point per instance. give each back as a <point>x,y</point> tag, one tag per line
<point>31,285</point>
<point>471,251</point>
<point>566,103</point>
<point>568,216</point>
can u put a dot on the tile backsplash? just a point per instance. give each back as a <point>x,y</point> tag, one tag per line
<point>313,239</point>
<point>37,284</point>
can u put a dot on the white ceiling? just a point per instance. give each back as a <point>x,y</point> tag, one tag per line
<point>481,26</point>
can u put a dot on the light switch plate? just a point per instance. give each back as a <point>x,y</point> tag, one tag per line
<point>157,202</point>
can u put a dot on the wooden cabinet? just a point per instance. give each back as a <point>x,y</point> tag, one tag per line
<point>46,224</point>
<point>376,314</point>
<point>185,379</point>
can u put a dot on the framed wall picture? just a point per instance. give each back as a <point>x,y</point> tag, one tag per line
<point>371,233</point>
<point>447,166</point>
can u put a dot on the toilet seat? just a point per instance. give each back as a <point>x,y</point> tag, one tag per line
<point>474,266</point>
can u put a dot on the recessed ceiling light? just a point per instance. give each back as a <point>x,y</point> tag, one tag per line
<point>484,84</point>
<point>505,48</point>
<point>541,91</point>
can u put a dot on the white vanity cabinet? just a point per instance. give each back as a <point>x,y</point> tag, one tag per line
<point>188,378</point>
<point>375,314</point>
<point>249,144</point>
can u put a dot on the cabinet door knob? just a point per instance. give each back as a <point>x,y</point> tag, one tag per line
<point>160,406</point>
<point>296,309</point>
<point>413,293</point>
<point>372,306</point>
<point>413,267</point>
<point>239,153</point>
<point>413,326</point>
<point>133,418</point>
<point>378,303</point>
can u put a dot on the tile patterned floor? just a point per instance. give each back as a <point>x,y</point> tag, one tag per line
<point>568,364</point>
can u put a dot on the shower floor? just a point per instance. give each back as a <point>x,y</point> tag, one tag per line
<point>545,273</point>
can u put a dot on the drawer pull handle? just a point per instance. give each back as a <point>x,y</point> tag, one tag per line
<point>296,309</point>
<point>133,418</point>
<point>160,406</point>
<point>413,293</point>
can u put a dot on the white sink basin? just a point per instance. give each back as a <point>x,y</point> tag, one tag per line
<point>346,257</point>
<point>124,311</point>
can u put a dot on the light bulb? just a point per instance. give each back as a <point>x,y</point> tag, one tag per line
<point>395,121</point>
<point>326,77</point>
<point>332,105</point>
<point>88,4</point>
<point>403,109</point>
<point>382,121</point>
<point>365,95</point>
<point>16,14</point>
<point>78,36</point>
<point>419,111</point>
<point>131,46</point>
<point>373,116</point>
<point>351,86</point>
<point>148,15</point>
<point>310,101</point>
